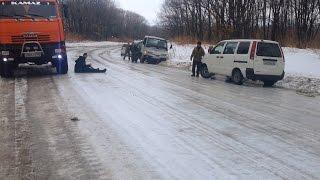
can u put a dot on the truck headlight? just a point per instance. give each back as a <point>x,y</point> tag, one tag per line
<point>5,59</point>
<point>5,53</point>
<point>59,56</point>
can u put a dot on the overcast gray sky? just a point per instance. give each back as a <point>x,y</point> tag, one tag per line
<point>146,8</point>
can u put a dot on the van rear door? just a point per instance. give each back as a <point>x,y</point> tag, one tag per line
<point>269,59</point>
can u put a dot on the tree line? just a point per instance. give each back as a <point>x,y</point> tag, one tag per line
<point>102,20</point>
<point>289,21</point>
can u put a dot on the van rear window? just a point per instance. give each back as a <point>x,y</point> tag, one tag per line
<point>268,50</point>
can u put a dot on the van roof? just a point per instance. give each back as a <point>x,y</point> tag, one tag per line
<point>154,37</point>
<point>243,40</point>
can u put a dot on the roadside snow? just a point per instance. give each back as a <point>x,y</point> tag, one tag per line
<point>92,44</point>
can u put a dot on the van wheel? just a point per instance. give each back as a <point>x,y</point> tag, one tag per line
<point>62,66</point>
<point>205,72</point>
<point>269,83</point>
<point>237,77</point>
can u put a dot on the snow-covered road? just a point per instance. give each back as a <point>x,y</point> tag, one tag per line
<point>142,121</point>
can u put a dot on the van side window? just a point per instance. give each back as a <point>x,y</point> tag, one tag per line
<point>243,48</point>
<point>230,48</point>
<point>218,49</point>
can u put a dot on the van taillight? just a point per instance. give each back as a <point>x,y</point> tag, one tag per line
<point>284,60</point>
<point>253,50</point>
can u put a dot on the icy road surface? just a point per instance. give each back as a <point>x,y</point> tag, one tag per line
<point>143,121</point>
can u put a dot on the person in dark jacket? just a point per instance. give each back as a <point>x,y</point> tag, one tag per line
<point>82,67</point>
<point>135,53</point>
<point>196,56</point>
<point>128,52</point>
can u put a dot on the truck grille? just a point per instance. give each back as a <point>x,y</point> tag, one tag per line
<point>38,38</point>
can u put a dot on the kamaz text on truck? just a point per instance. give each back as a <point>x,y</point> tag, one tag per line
<point>31,32</point>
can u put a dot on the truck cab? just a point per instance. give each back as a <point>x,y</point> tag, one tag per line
<point>154,50</point>
<point>31,32</point>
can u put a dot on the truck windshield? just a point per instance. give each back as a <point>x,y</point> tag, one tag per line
<point>32,9</point>
<point>157,43</point>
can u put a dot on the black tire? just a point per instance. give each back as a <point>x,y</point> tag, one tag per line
<point>62,66</point>
<point>237,77</point>
<point>205,72</point>
<point>1,69</point>
<point>6,70</point>
<point>268,83</point>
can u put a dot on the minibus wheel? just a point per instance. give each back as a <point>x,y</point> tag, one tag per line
<point>237,77</point>
<point>205,72</point>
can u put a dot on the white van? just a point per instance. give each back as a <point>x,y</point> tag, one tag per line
<point>245,59</point>
<point>154,50</point>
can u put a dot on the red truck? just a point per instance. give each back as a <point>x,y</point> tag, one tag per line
<point>31,32</point>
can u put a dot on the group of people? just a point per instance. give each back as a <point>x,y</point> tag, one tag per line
<point>133,53</point>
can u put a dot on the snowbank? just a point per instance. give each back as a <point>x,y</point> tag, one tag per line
<point>92,44</point>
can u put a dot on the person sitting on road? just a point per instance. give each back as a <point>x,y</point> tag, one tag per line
<point>197,55</point>
<point>82,67</point>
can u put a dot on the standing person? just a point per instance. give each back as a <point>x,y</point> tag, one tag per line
<point>127,53</point>
<point>135,52</point>
<point>196,56</point>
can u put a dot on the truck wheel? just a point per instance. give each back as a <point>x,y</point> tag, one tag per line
<point>6,70</point>
<point>237,77</point>
<point>1,69</point>
<point>205,72</point>
<point>62,66</point>
<point>269,83</point>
